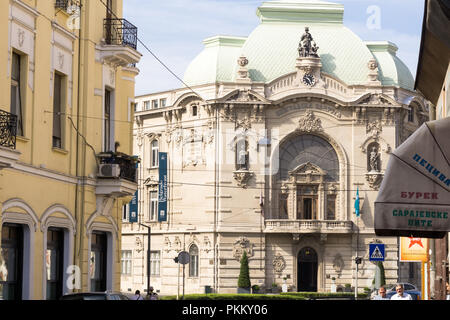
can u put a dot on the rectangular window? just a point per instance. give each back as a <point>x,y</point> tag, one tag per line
<point>331,207</point>
<point>58,110</point>
<point>155,263</point>
<point>162,102</point>
<point>107,121</point>
<point>154,104</point>
<point>126,262</point>
<point>411,114</point>
<point>125,212</point>
<point>146,105</point>
<point>153,214</point>
<point>16,92</point>
<point>155,154</point>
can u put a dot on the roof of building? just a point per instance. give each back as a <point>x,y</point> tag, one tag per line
<point>271,48</point>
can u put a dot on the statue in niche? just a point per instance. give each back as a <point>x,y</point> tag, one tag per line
<point>242,155</point>
<point>374,159</point>
<point>307,46</point>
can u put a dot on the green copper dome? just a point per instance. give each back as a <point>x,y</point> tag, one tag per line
<point>271,48</point>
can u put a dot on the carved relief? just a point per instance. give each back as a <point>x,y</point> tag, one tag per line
<point>206,244</point>
<point>279,263</point>
<point>167,244</point>
<point>374,179</point>
<point>139,245</point>
<point>241,245</point>
<point>309,123</point>
<point>338,264</point>
<point>374,128</point>
<point>242,177</point>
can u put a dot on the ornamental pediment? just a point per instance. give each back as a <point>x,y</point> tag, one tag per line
<point>308,169</point>
<point>375,100</point>
<point>243,96</point>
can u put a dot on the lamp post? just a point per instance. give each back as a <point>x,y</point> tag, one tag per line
<point>148,255</point>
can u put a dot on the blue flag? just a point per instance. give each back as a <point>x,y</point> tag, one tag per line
<point>357,203</point>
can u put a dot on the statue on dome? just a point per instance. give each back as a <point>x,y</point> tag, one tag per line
<point>307,46</point>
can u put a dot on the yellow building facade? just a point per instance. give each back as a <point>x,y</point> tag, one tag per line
<point>67,79</point>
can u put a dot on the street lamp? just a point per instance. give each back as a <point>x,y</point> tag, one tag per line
<point>148,255</point>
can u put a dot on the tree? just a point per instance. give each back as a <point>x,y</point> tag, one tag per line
<point>244,274</point>
<point>380,278</point>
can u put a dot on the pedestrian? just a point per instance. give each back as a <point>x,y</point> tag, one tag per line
<point>152,295</point>
<point>447,286</point>
<point>381,294</point>
<point>137,296</point>
<point>401,294</point>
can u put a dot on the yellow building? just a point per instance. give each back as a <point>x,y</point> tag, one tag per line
<point>67,77</point>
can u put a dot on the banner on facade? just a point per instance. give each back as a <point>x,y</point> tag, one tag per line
<point>162,188</point>
<point>414,197</point>
<point>133,208</point>
<point>413,249</point>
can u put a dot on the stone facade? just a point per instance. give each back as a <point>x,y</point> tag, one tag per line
<point>270,168</point>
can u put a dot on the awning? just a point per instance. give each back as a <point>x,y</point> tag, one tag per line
<point>414,197</point>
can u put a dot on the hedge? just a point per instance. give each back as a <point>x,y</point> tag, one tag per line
<point>281,296</point>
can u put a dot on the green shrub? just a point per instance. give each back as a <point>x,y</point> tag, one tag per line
<point>244,274</point>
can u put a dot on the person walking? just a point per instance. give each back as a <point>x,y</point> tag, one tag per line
<point>401,294</point>
<point>152,295</point>
<point>137,296</point>
<point>381,294</point>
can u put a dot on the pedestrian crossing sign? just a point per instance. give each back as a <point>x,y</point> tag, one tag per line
<point>376,252</point>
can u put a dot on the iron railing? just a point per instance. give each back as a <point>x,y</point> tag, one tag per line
<point>8,129</point>
<point>120,32</point>
<point>65,4</point>
<point>127,164</point>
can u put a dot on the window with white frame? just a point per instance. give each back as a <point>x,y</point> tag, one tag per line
<point>154,104</point>
<point>154,161</point>
<point>16,91</point>
<point>193,261</point>
<point>155,263</point>
<point>153,214</point>
<point>126,262</point>
<point>162,102</point>
<point>146,105</point>
<point>125,212</point>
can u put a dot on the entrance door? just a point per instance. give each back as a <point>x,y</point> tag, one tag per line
<point>98,262</point>
<point>307,270</point>
<point>11,262</point>
<point>55,260</point>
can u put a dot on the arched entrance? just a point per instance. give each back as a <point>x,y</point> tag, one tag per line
<point>307,270</point>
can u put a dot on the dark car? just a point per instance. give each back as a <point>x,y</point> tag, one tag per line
<point>409,289</point>
<point>95,296</point>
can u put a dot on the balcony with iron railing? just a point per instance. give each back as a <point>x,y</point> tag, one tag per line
<point>120,43</point>
<point>120,32</point>
<point>8,132</point>
<point>65,4</point>
<point>117,174</point>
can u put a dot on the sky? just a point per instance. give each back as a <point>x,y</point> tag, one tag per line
<point>173,30</point>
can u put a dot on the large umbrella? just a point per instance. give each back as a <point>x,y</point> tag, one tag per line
<point>414,197</point>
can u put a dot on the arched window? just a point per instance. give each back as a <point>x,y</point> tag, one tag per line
<point>309,148</point>
<point>193,262</point>
<point>154,161</point>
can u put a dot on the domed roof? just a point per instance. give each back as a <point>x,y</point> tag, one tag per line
<point>271,48</point>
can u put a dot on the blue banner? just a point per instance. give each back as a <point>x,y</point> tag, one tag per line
<point>133,207</point>
<point>162,190</point>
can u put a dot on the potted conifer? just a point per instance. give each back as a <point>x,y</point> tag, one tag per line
<point>244,284</point>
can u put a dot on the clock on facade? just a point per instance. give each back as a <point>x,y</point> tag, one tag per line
<point>309,79</point>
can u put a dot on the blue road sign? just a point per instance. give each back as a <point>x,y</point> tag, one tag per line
<point>376,252</point>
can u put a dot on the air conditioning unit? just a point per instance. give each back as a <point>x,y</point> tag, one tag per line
<point>109,170</point>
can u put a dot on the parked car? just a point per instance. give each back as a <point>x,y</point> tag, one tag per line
<point>409,289</point>
<point>95,296</point>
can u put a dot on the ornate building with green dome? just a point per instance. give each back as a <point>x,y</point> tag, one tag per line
<point>267,150</point>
